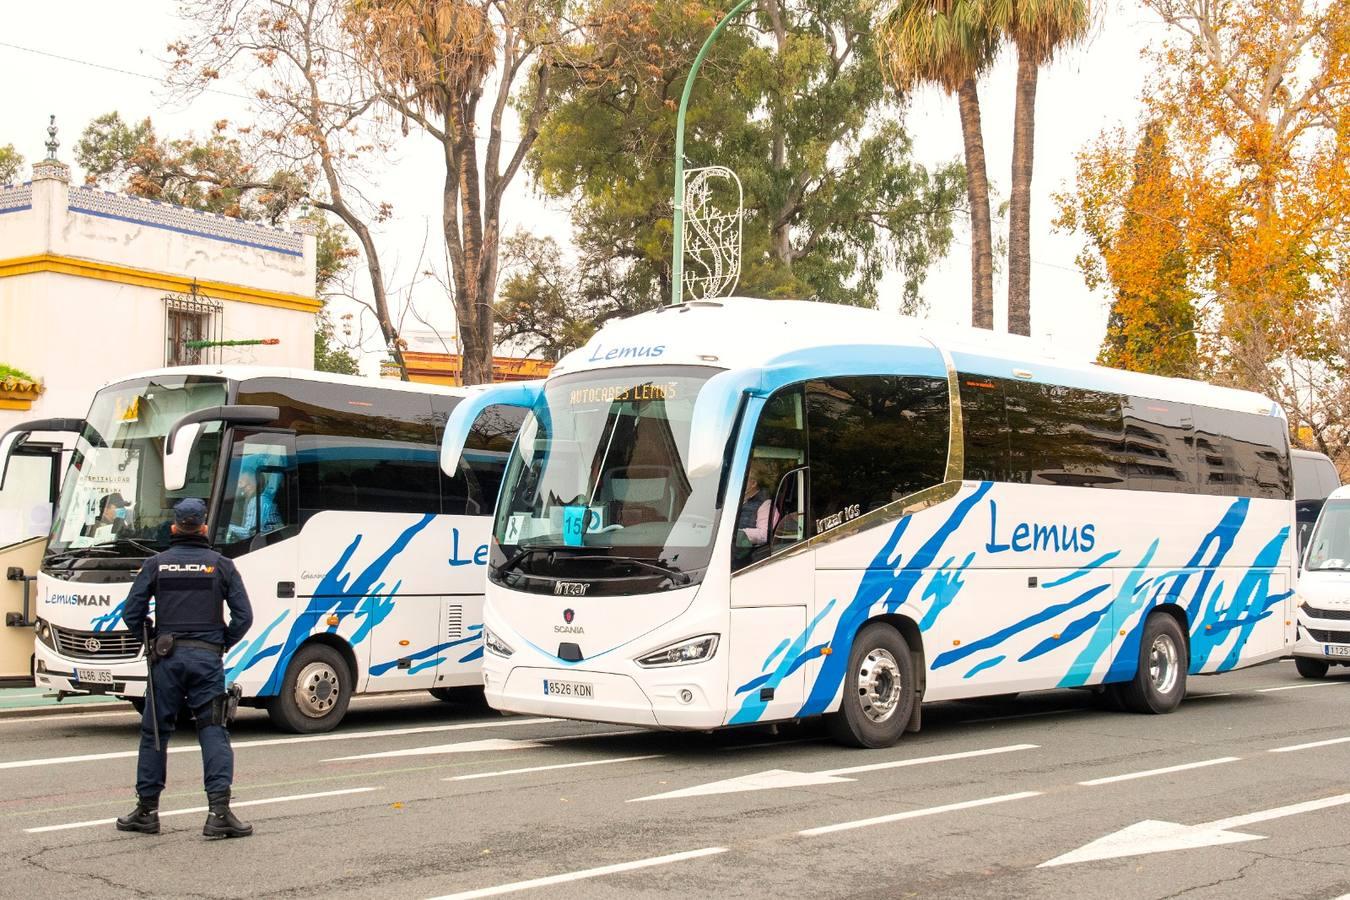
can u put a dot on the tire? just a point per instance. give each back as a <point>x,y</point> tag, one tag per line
<point>878,690</point>
<point>466,696</point>
<point>1159,681</point>
<point>1311,668</point>
<point>315,692</point>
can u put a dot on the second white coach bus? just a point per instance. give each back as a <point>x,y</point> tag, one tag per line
<point>744,511</point>
<point>364,563</point>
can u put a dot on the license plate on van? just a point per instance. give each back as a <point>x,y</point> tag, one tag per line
<point>579,689</point>
<point>104,676</point>
<point>1337,649</point>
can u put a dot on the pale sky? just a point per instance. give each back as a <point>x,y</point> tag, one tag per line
<point>1090,88</point>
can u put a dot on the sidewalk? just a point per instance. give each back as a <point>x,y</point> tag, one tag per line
<point>37,701</point>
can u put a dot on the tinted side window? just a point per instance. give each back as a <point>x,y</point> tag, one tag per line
<point>873,439</point>
<point>1065,436</point>
<point>986,428</point>
<point>359,449</point>
<point>1159,452</point>
<point>1241,454</point>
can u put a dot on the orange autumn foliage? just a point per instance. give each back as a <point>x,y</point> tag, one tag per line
<point>1232,202</point>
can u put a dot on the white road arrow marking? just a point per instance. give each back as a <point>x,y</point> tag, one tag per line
<point>1151,836</point>
<point>482,746</point>
<point>783,778</point>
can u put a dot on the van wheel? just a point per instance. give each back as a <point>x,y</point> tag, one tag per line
<point>878,690</point>
<point>1159,681</point>
<point>315,692</point>
<point>1311,668</point>
<point>465,696</point>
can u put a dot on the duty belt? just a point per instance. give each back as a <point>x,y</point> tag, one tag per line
<point>200,645</point>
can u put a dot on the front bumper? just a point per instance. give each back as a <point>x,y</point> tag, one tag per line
<point>1326,639</point>
<point>668,698</point>
<point>59,673</point>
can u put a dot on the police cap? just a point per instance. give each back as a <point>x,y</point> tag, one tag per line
<point>190,513</point>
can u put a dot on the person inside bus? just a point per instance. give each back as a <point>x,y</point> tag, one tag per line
<point>112,518</point>
<point>249,507</point>
<point>752,522</point>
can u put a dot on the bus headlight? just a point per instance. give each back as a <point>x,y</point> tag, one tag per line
<point>687,651</point>
<point>495,645</point>
<point>44,633</point>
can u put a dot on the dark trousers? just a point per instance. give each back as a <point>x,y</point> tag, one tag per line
<point>191,677</point>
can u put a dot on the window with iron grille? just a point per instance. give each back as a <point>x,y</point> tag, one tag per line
<point>188,320</point>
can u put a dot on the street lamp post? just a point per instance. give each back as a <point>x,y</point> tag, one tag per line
<point>677,264</point>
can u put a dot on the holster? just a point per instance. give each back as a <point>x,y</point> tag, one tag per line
<point>162,646</point>
<point>224,707</point>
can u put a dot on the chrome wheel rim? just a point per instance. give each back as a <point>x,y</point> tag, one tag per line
<point>879,685</point>
<point>317,689</point>
<point>1162,664</point>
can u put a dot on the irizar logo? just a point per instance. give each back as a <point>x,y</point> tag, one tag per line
<point>571,588</point>
<point>196,568</point>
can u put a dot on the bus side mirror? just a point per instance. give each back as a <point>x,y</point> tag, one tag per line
<point>15,437</point>
<point>183,435</point>
<point>715,412</point>
<point>459,425</point>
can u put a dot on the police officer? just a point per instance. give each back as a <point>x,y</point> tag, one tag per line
<point>190,583</point>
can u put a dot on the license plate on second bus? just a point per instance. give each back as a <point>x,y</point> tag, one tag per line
<point>1337,649</point>
<point>579,689</point>
<point>94,676</point>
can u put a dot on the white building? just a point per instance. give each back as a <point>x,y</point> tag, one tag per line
<point>96,285</point>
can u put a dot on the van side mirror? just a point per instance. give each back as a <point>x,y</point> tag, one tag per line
<point>183,435</point>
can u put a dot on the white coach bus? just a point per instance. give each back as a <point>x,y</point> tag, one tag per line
<point>363,561</point>
<point>745,511</point>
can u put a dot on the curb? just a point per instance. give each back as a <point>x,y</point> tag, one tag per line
<point>65,708</point>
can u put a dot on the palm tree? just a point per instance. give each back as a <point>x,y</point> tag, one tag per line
<point>1039,29</point>
<point>949,43</point>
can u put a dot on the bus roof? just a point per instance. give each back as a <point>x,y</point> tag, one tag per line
<point>242,372</point>
<point>747,333</point>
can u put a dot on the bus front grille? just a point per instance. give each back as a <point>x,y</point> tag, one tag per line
<point>1314,612</point>
<point>1329,637</point>
<point>104,646</point>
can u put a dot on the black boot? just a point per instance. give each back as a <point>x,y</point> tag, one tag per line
<point>144,818</point>
<point>220,822</point>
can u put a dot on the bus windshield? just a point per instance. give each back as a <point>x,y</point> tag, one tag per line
<point>596,488</point>
<point>114,497</point>
<point>1329,546</point>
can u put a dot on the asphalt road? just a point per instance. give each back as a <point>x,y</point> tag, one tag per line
<point>415,799</point>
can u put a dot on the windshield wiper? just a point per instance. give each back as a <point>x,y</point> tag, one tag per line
<point>77,553</point>
<point>675,575</point>
<point>144,548</point>
<point>520,556</point>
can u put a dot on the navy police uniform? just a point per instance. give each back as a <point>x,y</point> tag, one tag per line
<point>191,585</point>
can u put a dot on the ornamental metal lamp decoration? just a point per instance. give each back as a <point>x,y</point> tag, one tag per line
<point>712,236</point>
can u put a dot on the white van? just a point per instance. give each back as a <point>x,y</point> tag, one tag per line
<point>1323,633</point>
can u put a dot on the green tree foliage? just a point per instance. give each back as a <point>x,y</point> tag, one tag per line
<point>793,101</point>
<point>333,255</point>
<point>11,164</point>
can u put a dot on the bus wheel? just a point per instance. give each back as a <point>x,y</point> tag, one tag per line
<point>315,692</point>
<point>1159,682</point>
<point>878,690</point>
<point>1311,668</point>
<point>467,696</point>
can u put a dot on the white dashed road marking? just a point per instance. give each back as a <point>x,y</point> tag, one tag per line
<point>584,873</point>
<point>572,765</point>
<point>1166,770</point>
<point>1326,743</point>
<point>917,813</point>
